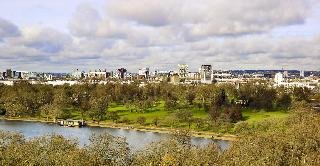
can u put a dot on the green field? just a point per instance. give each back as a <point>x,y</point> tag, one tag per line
<point>158,111</point>
<point>253,116</point>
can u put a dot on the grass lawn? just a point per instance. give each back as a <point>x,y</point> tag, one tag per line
<point>157,111</point>
<point>253,116</point>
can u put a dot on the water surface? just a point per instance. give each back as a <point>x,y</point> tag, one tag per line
<point>136,139</point>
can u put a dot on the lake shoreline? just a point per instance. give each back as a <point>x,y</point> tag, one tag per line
<point>199,134</point>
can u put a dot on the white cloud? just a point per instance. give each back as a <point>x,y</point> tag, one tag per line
<point>205,18</point>
<point>134,34</point>
<point>84,21</point>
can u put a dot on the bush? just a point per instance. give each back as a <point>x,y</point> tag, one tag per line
<point>125,120</point>
<point>2,111</point>
<point>242,127</point>
<point>114,116</point>
<point>141,120</point>
<point>156,121</point>
<point>233,114</point>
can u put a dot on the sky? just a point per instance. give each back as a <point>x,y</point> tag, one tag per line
<point>60,35</point>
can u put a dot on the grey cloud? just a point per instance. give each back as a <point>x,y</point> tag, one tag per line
<point>8,29</point>
<point>87,22</point>
<point>205,18</point>
<point>17,52</point>
<point>125,52</point>
<point>251,52</point>
<point>46,40</point>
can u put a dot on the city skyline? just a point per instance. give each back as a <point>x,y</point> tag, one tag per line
<point>61,36</point>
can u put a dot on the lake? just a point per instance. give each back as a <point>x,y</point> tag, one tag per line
<point>136,139</point>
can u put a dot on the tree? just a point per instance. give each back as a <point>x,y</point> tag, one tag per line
<point>284,101</point>
<point>184,116</point>
<point>190,96</point>
<point>106,149</point>
<point>99,108</point>
<point>177,150</point>
<point>294,141</point>
<point>214,113</point>
<point>171,103</point>
<point>81,97</point>
<point>20,100</point>
<point>50,111</point>
<point>300,94</point>
<point>221,99</point>
<point>233,114</point>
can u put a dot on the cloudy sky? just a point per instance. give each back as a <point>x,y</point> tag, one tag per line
<point>62,35</point>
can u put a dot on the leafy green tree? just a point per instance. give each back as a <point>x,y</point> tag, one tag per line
<point>300,94</point>
<point>284,101</point>
<point>294,141</point>
<point>233,114</point>
<point>106,149</point>
<point>99,108</point>
<point>177,151</point>
<point>184,116</point>
<point>81,97</point>
<point>51,111</point>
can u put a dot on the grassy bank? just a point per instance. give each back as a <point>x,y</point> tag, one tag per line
<point>108,124</point>
<point>249,115</point>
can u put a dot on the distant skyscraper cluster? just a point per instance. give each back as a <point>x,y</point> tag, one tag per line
<point>182,75</point>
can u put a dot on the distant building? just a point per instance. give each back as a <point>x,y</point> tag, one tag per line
<point>174,78</point>
<point>47,76</point>
<point>122,72</point>
<point>193,76</point>
<point>302,73</point>
<point>183,71</point>
<point>9,73</point>
<point>77,74</point>
<point>221,75</point>
<point>26,75</point>
<point>160,75</point>
<point>267,75</point>
<point>206,73</point>
<point>99,74</point>
<point>144,73</point>
<point>285,74</point>
<point>278,78</point>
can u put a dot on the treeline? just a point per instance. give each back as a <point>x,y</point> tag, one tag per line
<point>291,141</point>
<point>93,100</point>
